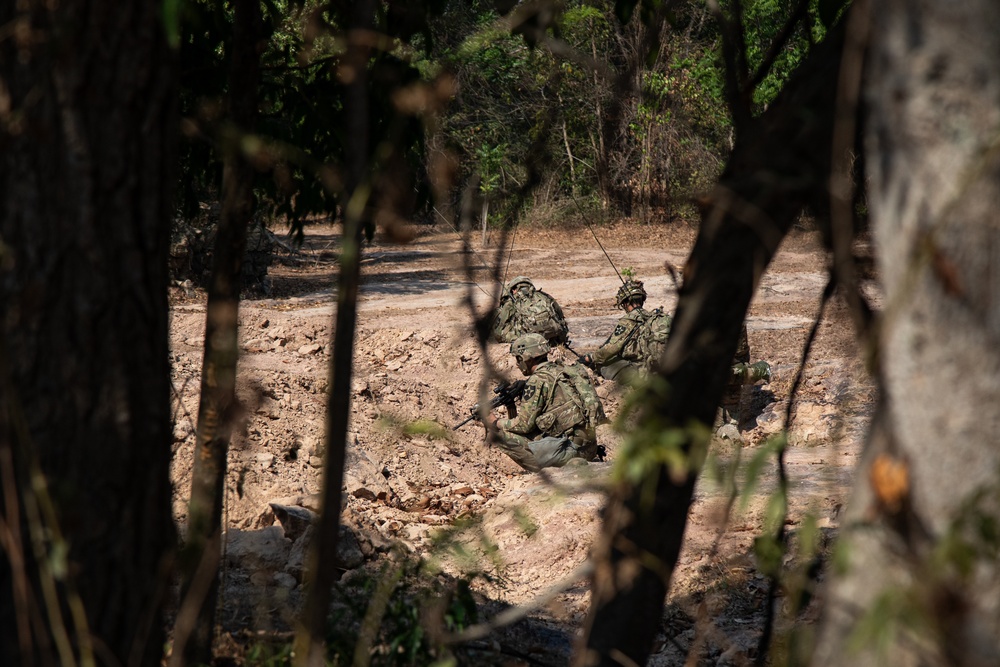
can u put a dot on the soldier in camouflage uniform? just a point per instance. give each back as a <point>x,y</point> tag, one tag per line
<point>619,358</point>
<point>558,415</point>
<point>526,309</point>
<point>742,373</point>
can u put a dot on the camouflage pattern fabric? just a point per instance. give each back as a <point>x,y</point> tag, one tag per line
<point>530,311</point>
<point>742,373</point>
<point>652,338</point>
<point>622,346</point>
<point>558,402</point>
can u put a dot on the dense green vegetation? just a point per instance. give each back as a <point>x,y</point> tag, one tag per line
<point>542,110</point>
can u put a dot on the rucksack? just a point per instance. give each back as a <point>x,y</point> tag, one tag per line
<point>541,314</point>
<point>652,337</point>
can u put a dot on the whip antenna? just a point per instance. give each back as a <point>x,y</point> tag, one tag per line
<point>586,221</point>
<point>513,235</point>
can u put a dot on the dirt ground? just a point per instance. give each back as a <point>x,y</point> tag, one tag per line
<point>416,488</point>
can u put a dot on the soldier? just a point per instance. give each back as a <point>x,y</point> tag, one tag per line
<point>526,309</point>
<point>620,358</point>
<point>559,411</point>
<point>742,373</point>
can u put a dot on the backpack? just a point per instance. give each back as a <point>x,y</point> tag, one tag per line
<point>574,402</point>
<point>539,313</point>
<point>652,337</point>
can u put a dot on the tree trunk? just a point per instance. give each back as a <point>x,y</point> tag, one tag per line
<point>322,569</point>
<point>922,566</point>
<point>218,406</point>
<point>781,164</point>
<point>87,150</point>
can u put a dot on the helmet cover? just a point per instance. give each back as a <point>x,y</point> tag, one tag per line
<point>631,291</point>
<point>530,346</point>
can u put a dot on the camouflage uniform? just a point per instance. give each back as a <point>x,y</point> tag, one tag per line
<point>557,419</point>
<point>619,358</point>
<point>742,373</point>
<point>525,309</point>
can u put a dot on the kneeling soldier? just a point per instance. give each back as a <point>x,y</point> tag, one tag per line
<point>559,411</point>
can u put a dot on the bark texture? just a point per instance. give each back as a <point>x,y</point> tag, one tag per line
<point>218,406</point>
<point>921,558</point>
<point>311,638</point>
<point>87,133</point>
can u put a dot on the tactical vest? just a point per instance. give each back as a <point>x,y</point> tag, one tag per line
<point>565,409</point>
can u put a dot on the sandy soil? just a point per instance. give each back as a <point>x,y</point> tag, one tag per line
<point>416,360</point>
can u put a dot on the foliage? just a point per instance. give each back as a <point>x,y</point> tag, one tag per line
<point>299,144</point>
<point>418,609</point>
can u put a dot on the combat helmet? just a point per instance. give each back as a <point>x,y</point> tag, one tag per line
<point>530,346</point>
<point>521,281</point>
<point>631,291</point>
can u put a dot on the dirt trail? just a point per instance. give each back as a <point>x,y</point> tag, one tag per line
<point>416,360</point>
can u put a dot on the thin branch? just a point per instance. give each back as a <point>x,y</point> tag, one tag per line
<point>778,45</point>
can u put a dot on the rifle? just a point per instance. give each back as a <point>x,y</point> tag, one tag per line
<point>582,358</point>
<point>506,394</point>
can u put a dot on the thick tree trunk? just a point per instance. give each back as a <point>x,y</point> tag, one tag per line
<point>781,164</point>
<point>922,555</point>
<point>218,406</point>
<point>87,134</point>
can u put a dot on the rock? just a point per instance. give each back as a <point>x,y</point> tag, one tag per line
<point>265,459</point>
<point>434,519</point>
<point>461,489</point>
<point>415,531</point>
<point>258,549</point>
<point>729,432</point>
<point>311,348</point>
<point>294,519</point>
<point>362,477</point>
<point>269,408</point>
<point>284,580</point>
<point>182,429</point>
<point>394,365</point>
<point>257,345</point>
<point>349,554</point>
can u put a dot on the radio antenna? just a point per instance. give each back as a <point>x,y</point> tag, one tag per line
<point>586,221</point>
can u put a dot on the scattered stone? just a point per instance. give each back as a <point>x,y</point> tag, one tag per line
<point>394,365</point>
<point>461,489</point>
<point>182,429</point>
<point>269,408</point>
<point>294,519</point>
<point>311,348</point>
<point>434,519</point>
<point>265,459</point>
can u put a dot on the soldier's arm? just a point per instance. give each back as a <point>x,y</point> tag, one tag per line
<point>613,346</point>
<point>529,409</point>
